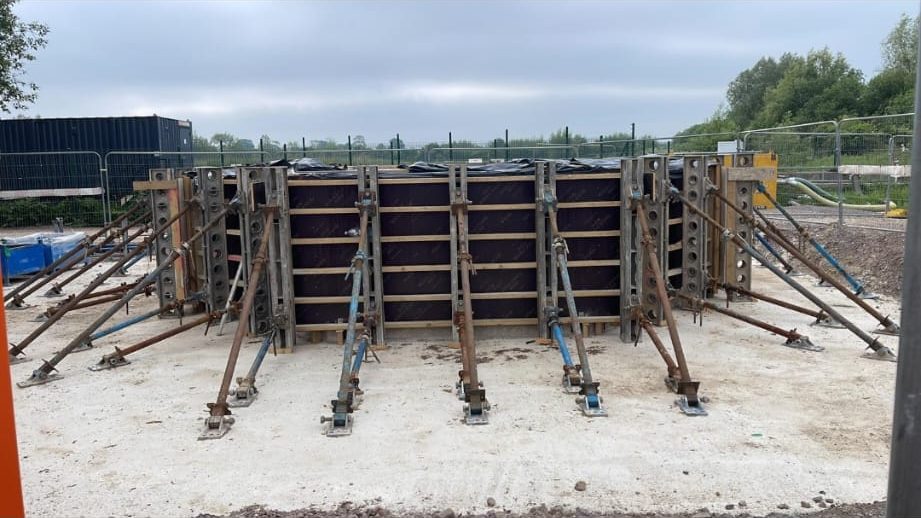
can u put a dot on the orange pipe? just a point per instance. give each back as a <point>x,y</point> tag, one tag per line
<point>10,484</point>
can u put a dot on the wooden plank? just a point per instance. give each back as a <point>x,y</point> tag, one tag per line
<point>315,182</point>
<point>154,185</point>
<point>344,299</point>
<point>233,232</point>
<point>675,221</point>
<point>506,266</point>
<point>417,268</point>
<point>594,293</point>
<point>415,208</point>
<point>504,295</point>
<point>586,204</point>
<point>424,297</point>
<point>587,176</point>
<point>592,263</point>
<point>675,246</point>
<point>492,179</point>
<point>324,240</point>
<point>502,206</point>
<point>341,270</point>
<point>314,211</point>
<point>411,181</point>
<point>486,322</point>
<point>417,238</point>
<point>674,271</point>
<point>51,193</point>
<point>590,233</point>
<point>499,236</point>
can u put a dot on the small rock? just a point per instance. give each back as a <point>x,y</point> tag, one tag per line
<point>805,505</point>
<point>704,399</point>
<point>730,507</point>
<point>743,503</point>
<point>821,492</point>
<point>823,505</point>
<point>818,499</point>
<point>717,493</point>
<point>829,500</point>
<point>783,506</point>
<point>491,502</point>
<point>686,472</point>
<point>581,485</point>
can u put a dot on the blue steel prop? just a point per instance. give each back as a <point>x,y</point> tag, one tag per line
<point>348,395</point>
<point>880,351</point>
<point>856,286</point>
<point>589,399</point>
<point>888,326</point>
<point>773,251</point>
<point>246,390</point>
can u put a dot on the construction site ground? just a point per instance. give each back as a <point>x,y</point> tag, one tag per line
<point>785,427</point>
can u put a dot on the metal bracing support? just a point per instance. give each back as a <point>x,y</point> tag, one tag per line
<point>773,251</point>
<point>794,339</point>
<point>653,173</point>
<point>348,394</point>
<point>219,419</point>
<point>17,349</point>
<point>476,407</point>
<point>45,373</point>
<point>93,299</point>
<point>245,392</point>
<point>858,288</point>
<point>820,317</point>
<point>124,324</point>
<point>672,372</point>
<point>216,277</point>
<point>739,178</point>
<point>879,350</point>
<point>544,302</point>
<point>254,194</point>
<point>377,272</point>
<point>81,252</point>
<point>233,288</point>
<point>688,400</point>
<point>589,400</point>
<point>631,254</point>
<point>888,325</point>
<point>693,231</point>
<point>118,357</point>
<point>57,288</point>
<point>281,271</point>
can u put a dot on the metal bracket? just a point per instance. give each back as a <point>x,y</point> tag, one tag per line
<point>803,343</point>
<point>40,377</point>
<point>244,394</point>
<point>688,409</point>
<point>216,427</point>
<point>109,362</point>
<point>882,354</point>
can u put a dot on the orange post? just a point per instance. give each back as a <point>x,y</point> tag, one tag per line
<point>10,483</point>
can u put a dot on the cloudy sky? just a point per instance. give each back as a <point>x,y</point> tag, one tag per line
<point>328,69</point>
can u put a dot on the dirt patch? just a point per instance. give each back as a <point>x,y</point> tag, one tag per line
<point>874,510</point>
<point>873,257</point>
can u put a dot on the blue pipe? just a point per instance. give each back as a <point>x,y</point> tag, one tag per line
<point>767,245</point>
<point>260,355</point>
<point>123,324</point>
<point>558,335</point>
<point>855,285</point>
<point>360,355</point>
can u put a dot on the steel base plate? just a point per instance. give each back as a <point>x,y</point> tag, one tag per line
<point>19,359</point>
<point>340,431</point>
<point>52,294</point>
<point>868,295</point>
<point>474,419</point>
<point>238,401</point>
<point>687,409</point>
<point>41,317</point>
<point>110,364</point>
<point>221,430</point>
<point>887,331</point>
<point>568,387</point>
<point>829,323</point>
<point>588,411</point>
<point>35,380</point>
<point>883,354</point>
<point>13,307</point>
<point>803,343</point>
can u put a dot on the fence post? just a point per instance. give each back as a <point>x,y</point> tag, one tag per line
<point>261,151</point>
<point>284,151</point>
<point>507,156</point>
<point>221,150</point>
<point>838,174</point>
<point>350,150</point>
<point>391,152</point>
<point>601,146</point>
<point>632,138</point>
<point>450,148</point>
<point>303,147</point>
<point>398,149</point>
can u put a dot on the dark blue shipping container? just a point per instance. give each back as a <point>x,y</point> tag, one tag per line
<point>101,135</point>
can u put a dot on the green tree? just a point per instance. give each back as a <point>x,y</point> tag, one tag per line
<point>891,91</point>
<point>900,48</point>
<point>19,41</point>
<point>822,86</point>
<point>200,143</point>
<point>747,91</point>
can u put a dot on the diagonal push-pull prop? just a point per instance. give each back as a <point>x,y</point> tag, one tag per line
<point>576,378</point>
<point>46,372</point>
<point>859,289</point>
<point>688,400</point>
<point>219,419</point>
<point>880,351</point>
<point>888,325</point>
<point>349,394</point>
<point>470,389</point>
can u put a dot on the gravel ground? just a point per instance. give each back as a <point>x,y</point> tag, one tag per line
<point>346,510</point>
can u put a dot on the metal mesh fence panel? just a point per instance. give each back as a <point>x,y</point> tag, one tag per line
<point>37,188</point>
